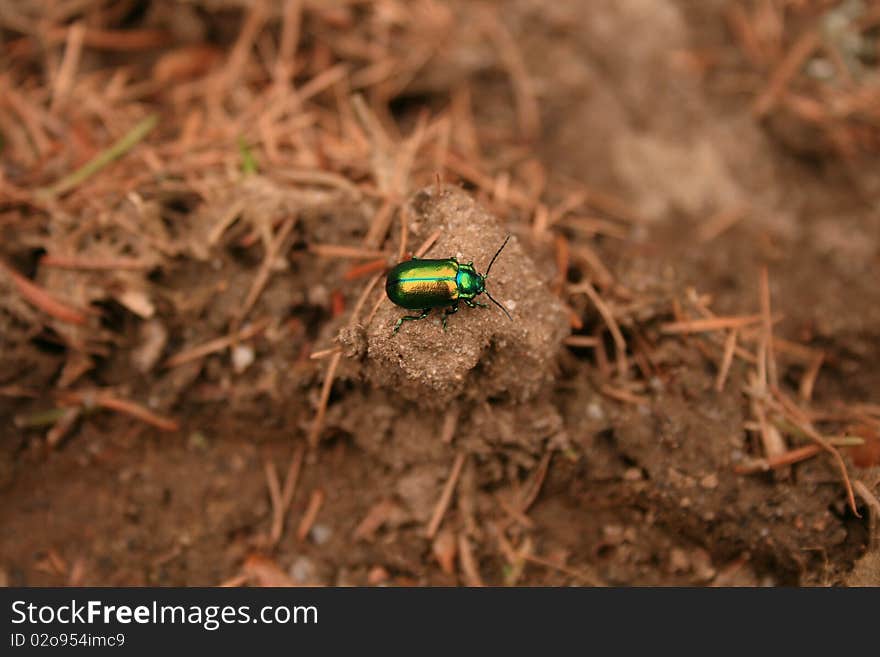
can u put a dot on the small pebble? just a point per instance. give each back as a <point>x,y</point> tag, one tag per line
<point>594,410</point>
<point>378,575</point>
<point>632,474</point>
<point>613,534</point>
<point>710,481</point>
<point>702,564</point>
<point>319,296</point>
<point>304,571</point>
<point>679,562</point>
<point>320,534</point>
<point>242,358</point>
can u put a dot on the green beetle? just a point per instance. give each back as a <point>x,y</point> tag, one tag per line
<point>419,284</point>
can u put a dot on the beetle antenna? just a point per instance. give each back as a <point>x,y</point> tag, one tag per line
<point>492,261</point>
<point>498,304</point>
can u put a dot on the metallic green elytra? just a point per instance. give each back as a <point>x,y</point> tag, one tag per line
<point>419,284</point>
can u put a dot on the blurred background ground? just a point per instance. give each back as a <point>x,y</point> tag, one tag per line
<point>196,197</point>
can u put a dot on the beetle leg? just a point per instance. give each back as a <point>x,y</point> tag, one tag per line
<point>409,318</point>
<point>475,304</point>
<point>451,310</point>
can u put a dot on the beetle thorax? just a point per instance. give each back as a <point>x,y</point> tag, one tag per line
<point>469,282</point>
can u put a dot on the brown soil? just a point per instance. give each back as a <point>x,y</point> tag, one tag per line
<point>566,462</point>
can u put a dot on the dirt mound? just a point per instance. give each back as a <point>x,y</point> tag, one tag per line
<point>482,354</point>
